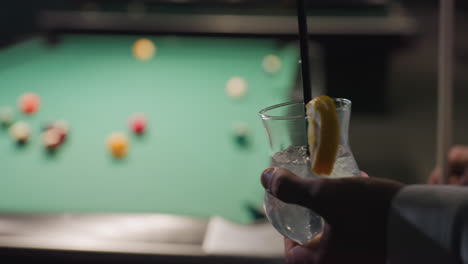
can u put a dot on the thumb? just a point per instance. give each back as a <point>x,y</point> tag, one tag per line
<point>332,198</point>
<point>289,188</point>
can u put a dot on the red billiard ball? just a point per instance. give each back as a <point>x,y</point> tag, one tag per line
<point>28,103</point>
<point>138,127</point>
<point>137,123</point>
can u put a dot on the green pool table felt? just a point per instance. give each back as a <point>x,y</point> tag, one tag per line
<point>187,162</point>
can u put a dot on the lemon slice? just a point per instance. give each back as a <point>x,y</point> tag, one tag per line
<point>323,134</point>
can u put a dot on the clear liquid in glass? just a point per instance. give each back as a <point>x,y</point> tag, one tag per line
<point>295,222</point>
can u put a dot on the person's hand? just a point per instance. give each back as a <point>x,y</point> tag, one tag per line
<point>355,209</point>
<point>458,167</point>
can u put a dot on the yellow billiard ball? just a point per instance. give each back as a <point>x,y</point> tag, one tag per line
<point>117,144</point>
<point>143,49</point>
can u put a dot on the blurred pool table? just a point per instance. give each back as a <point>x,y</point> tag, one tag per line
<point>187,163</point>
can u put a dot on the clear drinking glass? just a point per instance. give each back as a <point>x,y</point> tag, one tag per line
<point>286,128</point>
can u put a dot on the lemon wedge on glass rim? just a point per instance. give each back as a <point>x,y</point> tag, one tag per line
<point>323,134</point>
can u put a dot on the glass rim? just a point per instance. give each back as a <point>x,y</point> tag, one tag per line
<point>263,113</point>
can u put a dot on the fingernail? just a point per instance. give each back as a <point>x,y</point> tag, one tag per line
<point>267,175</point>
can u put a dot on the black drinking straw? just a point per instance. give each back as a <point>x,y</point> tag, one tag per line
<point>304,44</point>
<point>305,64</point>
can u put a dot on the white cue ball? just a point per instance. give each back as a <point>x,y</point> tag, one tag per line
<point>20,131</point>
<point>271,63</point>
<point>236,87</point>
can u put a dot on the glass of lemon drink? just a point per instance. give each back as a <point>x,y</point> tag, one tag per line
<point>311,141</point>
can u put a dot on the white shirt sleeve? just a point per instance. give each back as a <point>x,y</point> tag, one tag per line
<point>429,224</point>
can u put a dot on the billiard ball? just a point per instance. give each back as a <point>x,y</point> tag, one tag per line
<point>241,128</point>
<point>137,123</point>
<point>236,87</point>
<point>63,128</point>
<point>241,132</point>
<point>6,116</point>
<point>51,138</point>
<point>28,103</point>
<point>143,49</point>
<point>61,124</point>
<point>60,127</point>
<point>20,132</point>
<point>117,144</point>
<point>271,63</point>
